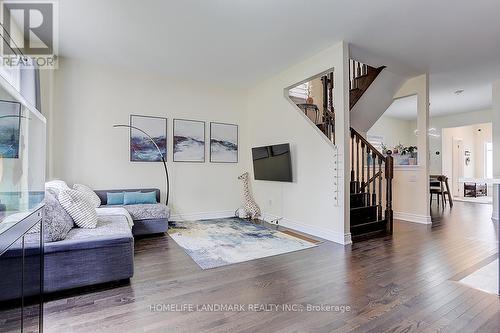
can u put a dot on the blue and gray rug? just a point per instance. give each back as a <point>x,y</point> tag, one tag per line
<point>220,242</point>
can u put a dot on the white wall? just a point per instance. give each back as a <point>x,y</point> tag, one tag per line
<point>394,131</point>
<point>90,98</point>
<point>473,142</point>
<point>454,120</point>
<point>308,204</point>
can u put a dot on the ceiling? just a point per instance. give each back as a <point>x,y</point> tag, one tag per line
<point>240,42</point>
<point>404,108</point>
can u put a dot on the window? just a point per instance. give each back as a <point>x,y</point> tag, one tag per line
<point>376,141</point>
<point>488,160</point>
<point>300,91</point>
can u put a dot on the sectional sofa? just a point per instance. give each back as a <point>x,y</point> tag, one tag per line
<point>87,256</point>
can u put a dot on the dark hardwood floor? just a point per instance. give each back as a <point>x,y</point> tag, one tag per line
<point>407,283</point>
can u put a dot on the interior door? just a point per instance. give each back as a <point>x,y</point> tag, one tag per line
<point>458,166</point>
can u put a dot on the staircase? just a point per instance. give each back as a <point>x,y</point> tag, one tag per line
<point>370,190</point>
<point>361,77</point>
<point>371,172</point>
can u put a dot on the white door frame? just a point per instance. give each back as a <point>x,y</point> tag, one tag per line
<point>457,165</point>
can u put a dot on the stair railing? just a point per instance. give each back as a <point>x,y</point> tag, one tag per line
<point>370,171</point>
<point>356,70</point>
<point>328,127</point>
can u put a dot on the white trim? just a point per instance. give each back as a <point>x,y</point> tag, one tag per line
<point>201,216</point>
<point>415,218</point>
<point>495,218</point>
<point>407,167</point>
<point>330,235</point>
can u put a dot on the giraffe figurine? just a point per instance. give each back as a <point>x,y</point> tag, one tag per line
<point>250,208</point>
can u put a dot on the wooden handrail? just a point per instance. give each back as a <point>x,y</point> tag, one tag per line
<point>354,133</point>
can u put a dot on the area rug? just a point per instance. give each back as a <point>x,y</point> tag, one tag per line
<point>220,242</point>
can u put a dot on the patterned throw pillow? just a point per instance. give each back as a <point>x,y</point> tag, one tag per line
<point>56,221</point>
<point>78,206</point>
<point>94,198</point>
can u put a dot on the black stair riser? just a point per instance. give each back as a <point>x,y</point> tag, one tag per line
<point>363,215</point>
<point>368,227</point>
<point>359,200</point>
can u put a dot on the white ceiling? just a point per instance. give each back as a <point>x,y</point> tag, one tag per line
<point>239,42</point>
<point>403,108</point>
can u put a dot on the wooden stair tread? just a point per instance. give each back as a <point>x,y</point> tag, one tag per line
<point>364,207</point>
<point>369,223</point>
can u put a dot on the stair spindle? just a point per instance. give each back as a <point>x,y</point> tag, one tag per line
<point>374,196</point>
<point>368,153</point>
<point>362,166</point>
<point>357,164</point>
<point>352,156</point>
<point>379,189</point>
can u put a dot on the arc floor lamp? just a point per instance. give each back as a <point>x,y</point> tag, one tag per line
<point>167,184</point>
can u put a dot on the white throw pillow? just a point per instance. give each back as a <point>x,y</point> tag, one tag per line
<point>94,198</point>
<point>57,185</point>
<point>79,207</point>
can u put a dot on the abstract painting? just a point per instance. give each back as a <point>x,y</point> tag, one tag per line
<point>189,140</point>
<point>141,147</point>
<point>10,126</point>
<point>220,242</point>
<point>223,143</point>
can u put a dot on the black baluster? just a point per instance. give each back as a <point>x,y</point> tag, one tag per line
<point>368,195</point>
<point>380,188</point>
<point>362,166</point>
<point>357,164</point>
<point>352,156</point>
<point>374,196</point>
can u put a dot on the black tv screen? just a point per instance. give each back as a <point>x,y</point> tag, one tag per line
<point>272,163</point>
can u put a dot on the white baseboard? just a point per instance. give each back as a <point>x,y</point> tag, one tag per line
<point>201,216</point>
<point>415,218</point>
<point>330,235</point>
<point>495,216</point>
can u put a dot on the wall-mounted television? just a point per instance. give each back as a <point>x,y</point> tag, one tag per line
<point>272,163</point>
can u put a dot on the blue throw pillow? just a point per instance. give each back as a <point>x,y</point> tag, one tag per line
<point>134,198</point>
<point>115,198</point>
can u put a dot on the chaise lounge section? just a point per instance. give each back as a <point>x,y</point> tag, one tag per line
<point>148,219</point>
<point>85,257</point>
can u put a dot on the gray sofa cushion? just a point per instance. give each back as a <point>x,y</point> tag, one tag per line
<point>109,230</point>
<point>85,257</point>
<point>56,222</point>
<point>148,211</point>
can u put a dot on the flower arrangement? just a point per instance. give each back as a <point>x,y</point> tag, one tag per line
<point>404,155</point>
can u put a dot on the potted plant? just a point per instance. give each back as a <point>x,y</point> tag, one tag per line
<point>399,149</point>
<point>383,146</point>
<point>412,151</point>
